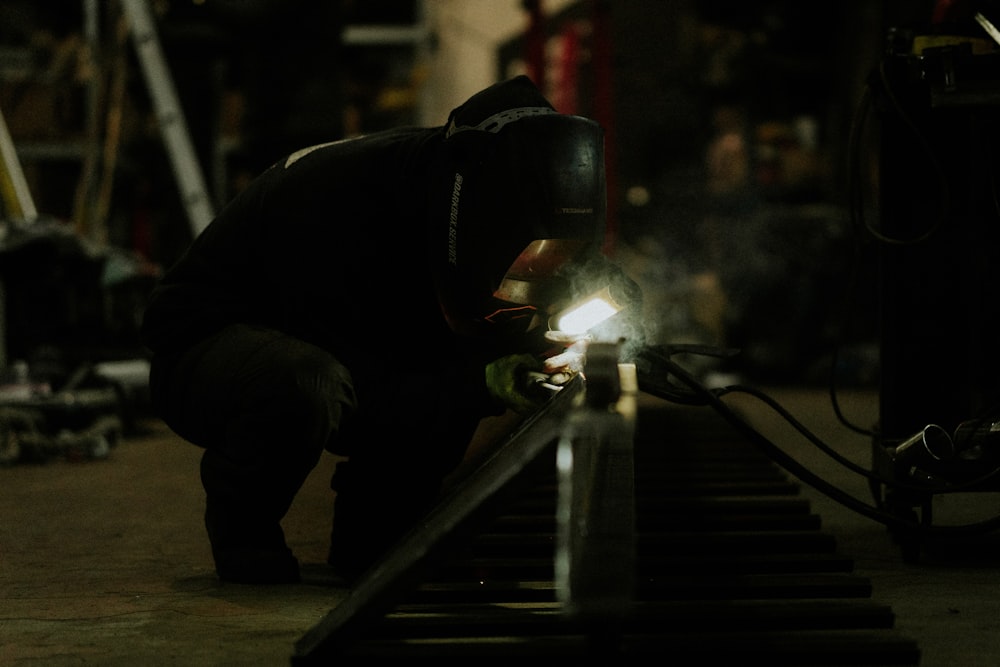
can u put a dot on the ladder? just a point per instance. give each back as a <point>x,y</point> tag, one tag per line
<point>14,192</point>
<point>15,195</point>
<point>187,170</point>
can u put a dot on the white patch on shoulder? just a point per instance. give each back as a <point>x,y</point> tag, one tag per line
<point>302,152</point>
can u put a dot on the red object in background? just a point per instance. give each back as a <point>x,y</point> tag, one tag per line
<point>951,11</point>
<point>565,96</point>
<point>535,43</point>
<point>604,114</point>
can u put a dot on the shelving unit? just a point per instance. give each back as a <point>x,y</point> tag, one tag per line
<point>385,70</point>
<point>52,110</point>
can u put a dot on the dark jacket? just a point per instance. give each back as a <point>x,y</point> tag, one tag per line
<point>328,245</point>
<point>344,245</point>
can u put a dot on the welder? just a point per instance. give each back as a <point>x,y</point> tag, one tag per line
<point>374,297</point>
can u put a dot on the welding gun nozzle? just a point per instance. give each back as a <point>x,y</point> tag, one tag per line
<point>535,379</point>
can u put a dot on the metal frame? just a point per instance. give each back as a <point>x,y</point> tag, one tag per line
<point>565,421</point>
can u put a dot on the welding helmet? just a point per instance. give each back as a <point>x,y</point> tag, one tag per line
<point>526,199</point>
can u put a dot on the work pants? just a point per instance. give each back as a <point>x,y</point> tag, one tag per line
<point>264,406</point>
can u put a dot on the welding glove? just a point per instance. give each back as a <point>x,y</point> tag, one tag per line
<point>570,361</point>
<point>510,381</point>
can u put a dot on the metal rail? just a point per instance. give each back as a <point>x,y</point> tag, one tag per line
<point>721,561</point>
<point>594,431</point>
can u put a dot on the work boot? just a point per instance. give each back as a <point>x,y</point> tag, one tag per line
<point>249,553</point>
<point>245,500</point>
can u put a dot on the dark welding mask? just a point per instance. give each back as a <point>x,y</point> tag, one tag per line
<point>526,200</point>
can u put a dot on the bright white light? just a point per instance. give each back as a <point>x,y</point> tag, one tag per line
<point>588,314</point>
<point>584,317</point>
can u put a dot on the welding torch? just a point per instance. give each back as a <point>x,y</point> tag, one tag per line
<point>573,330</point>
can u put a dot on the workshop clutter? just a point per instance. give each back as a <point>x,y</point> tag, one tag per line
<point>83,420</point>
<point>74,370</point>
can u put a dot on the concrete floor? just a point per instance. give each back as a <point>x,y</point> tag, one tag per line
<point>106,563</point>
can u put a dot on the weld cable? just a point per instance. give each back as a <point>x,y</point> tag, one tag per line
<point>856,215</point>
<point>791,465</point>
<point>935,163</point>
<point>847,463</point>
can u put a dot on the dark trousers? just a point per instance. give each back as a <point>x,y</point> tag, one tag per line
<point>265,405</point>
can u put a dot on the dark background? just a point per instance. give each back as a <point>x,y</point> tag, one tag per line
<point>759,249</point>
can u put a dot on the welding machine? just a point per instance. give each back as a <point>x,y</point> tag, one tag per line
<point>936,99</point>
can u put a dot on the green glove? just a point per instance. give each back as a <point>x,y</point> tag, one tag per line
<point>507,381</point>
